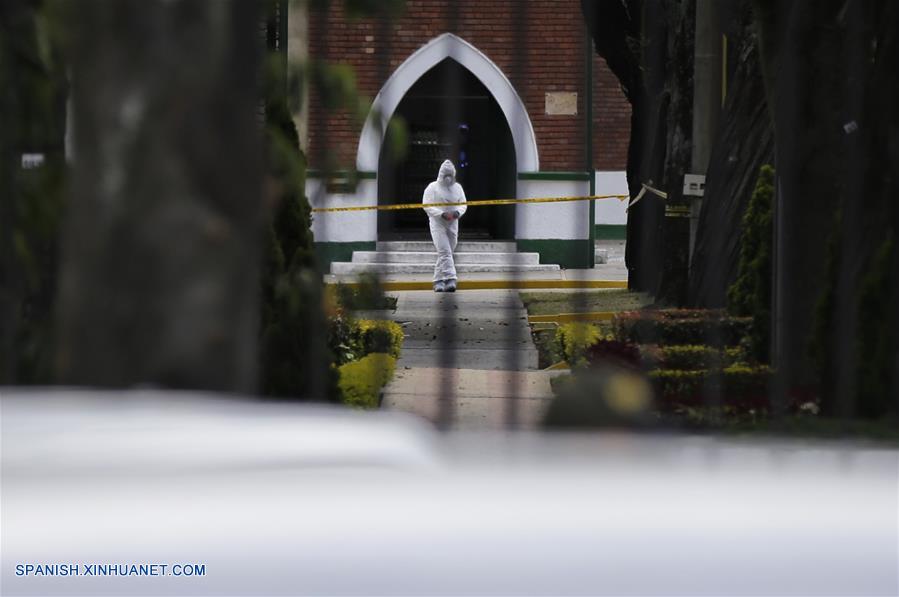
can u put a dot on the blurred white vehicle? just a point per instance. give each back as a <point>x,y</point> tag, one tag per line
<point>275,499</point>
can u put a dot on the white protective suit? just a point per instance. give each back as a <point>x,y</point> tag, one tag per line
<point>445,233</point>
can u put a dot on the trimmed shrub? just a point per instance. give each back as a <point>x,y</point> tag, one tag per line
<point>690,357</point>
<point>573,340</point>
<point>351,339</point>
<point>379,336</point>
<point>741,386</point>
<point>679,327</point>
<point>360,382</point>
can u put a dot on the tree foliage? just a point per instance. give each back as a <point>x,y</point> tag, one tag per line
<point>750,294</point>
<point>32,122</point>
<point>294,361</point>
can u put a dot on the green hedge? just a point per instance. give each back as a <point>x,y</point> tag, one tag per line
<point>690,357</point>
<point>679,327</point>
<point>351,339</point>
<point>360,382</point>
<point>379,336</point>
<point>741,385</point>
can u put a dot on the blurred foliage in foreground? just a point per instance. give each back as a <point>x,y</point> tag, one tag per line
<point>32,123</point>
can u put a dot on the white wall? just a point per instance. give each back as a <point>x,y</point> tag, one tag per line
<point>552,220</point>
<point>351,226</point>
<point>611,211</point>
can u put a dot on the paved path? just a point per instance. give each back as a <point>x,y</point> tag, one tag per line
<point>468,359</point>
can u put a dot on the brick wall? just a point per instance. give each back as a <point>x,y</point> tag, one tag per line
<point>539,45</point>
<point>611,119</point>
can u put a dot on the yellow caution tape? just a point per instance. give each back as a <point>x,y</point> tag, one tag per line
<point>399,206</point>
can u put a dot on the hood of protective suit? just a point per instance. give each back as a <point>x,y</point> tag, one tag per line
<point>447,170</point>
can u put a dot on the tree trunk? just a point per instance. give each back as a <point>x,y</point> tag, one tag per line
<point>649,47</point>
<point>744,143</point>
<point>160,271</point>
<point>832,65</point>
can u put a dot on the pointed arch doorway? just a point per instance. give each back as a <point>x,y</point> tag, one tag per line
<point>405,77</point>
<point>449,114</point>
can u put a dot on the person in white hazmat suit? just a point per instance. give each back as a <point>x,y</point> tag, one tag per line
<point>444,223</point>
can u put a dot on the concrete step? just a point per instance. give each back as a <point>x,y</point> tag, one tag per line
<point>462,247</point>
<point>601,256</point>
<point>338,268</point>
<point>460,257</point>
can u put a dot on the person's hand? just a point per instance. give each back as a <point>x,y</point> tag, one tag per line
<point>447,216</point>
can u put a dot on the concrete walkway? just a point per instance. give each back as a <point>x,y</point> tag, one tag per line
<point>468,361</point>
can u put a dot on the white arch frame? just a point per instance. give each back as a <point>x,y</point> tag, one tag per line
<point>421,61</point>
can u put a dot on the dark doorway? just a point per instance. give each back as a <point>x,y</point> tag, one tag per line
<point>449,114</point>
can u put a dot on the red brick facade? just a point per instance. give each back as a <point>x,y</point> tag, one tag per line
<point>611,119</point>
<point>539,45</point>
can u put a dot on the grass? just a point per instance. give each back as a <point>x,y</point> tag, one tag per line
<point>885,431</point>
<point>551,303</point>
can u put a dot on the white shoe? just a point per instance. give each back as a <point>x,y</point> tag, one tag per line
<point>440,286</point>
<point>450,285</point>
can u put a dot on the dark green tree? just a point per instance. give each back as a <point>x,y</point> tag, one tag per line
<point>295,362</point>
<point>750,294</point>
<point>32,123</point>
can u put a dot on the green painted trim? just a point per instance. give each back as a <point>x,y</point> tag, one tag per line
<point>360,174</point>
<point>326,253</point>
<point>553,176</point>
<point>610,232</point>
<point>568,253</point>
